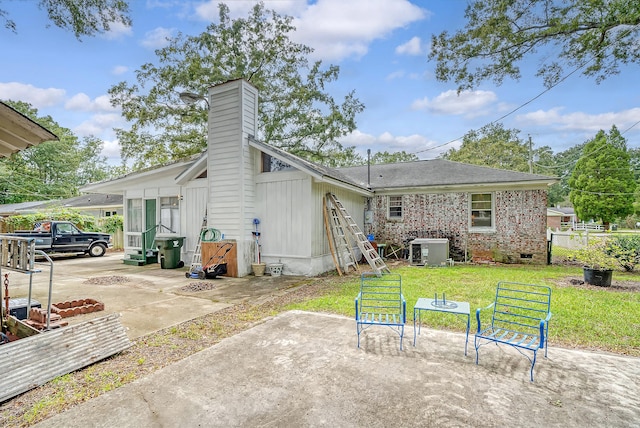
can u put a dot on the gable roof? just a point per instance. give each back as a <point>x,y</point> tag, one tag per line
<point>439,173</point>
<point>319,172</point>
<point>18,132</point>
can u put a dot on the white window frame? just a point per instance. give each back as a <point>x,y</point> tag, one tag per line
<point>395,205</point>
<point>169,214</point>
<point>476,208</point>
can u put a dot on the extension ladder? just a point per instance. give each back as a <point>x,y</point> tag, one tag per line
<point>341,216</point>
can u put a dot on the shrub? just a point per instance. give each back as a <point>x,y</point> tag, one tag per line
<point>596,255</point>
<point>625,249</point>
<point>26,222</point>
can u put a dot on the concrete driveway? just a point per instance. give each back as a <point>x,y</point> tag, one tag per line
<point>147,297</point>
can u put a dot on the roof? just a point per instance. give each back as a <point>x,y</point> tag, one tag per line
<point>18,132</point>
<point>439,173</point>
<point>10,209</point>
<point>119,184</point>
<point>84,201</point>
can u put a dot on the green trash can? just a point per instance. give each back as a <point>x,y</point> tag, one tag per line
<point>169,248</point>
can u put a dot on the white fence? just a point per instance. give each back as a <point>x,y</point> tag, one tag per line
<point>585,226</point>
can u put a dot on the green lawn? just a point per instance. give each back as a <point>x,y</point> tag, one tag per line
<point>591,318</point>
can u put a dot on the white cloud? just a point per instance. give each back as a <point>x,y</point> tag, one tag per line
<point>37,97</point>
<point>388,142</point>
<point>119,69</point>
<point>157,38</point>
<point>98,125</point>
<point>467,103</point>
<point>337,29</point>
<point>396,75</point>
<point>82,102</point>
<point>579,121</point>
<point>117,30</point>
<point>111,149</point>
<point>208,10</point>
<point>412,47</point>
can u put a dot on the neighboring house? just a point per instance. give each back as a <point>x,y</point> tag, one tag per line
<point>95,205</point>
<point>490,214</point>
<point>561,217</point>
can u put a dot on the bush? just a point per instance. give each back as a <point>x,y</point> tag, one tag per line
<point>625,249</point>
<point>112,224</point>
<point>26,222</point>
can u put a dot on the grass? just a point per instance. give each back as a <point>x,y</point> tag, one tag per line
<point>585,317</point>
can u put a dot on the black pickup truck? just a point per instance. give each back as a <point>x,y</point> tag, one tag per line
<point>65,237</point>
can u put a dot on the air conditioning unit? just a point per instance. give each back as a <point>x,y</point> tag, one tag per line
<point>429,252</point>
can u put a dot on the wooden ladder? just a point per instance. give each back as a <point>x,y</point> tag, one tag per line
<point>341,248</point>
<point>341,216</point>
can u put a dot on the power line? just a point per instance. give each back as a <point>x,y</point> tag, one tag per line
<point>565,77</point>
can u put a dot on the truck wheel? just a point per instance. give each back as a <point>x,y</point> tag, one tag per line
<point>97,250</point>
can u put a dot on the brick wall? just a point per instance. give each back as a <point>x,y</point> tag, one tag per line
<point>520,225</point>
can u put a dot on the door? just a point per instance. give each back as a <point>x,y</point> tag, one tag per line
<point>150,222</point>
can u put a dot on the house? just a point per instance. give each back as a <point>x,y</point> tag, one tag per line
<point>18,132</point>
<point>490,213</point>
<point>561,217</point>
<point>485,213</point>
<point>95,205</point>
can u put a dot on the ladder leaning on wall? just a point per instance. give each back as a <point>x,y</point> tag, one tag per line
<point>343,222</point>
<point>196,258</point>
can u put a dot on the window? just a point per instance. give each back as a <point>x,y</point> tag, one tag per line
<point>481,210</point>
<point>134,222</point>
<point>169,215</point>
<point>395,207</point>
<point>271,164</point>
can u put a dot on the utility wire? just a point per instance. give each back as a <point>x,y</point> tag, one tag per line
<point>565,77</point>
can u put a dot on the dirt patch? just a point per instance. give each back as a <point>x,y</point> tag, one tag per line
<point>198,286</point>
<point>616,285</point>
<point>107,280</point>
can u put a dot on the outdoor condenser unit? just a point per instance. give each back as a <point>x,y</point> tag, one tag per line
<point>429,252</point>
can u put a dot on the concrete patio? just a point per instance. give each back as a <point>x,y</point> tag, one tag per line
<point>304,369</point>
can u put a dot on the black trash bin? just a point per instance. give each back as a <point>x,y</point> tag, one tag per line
<point>169,248</point>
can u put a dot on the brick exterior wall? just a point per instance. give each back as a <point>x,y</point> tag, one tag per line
<point>519,235</point>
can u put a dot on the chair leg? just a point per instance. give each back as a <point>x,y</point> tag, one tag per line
<point>533,363</point>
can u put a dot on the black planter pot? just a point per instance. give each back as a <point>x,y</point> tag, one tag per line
<point>598,277</point>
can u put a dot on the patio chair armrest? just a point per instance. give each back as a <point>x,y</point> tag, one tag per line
<point>478,311</point>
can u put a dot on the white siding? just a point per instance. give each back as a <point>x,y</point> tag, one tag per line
<point>231,169</point>
<point>192,211</point>
<point>292,224</point>
<point>284,209</point>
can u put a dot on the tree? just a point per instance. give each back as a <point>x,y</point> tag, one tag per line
<point>602,183</point>
<point>492,146</point>
<point>82,17</point>
<point>386,157</point>
<point>295,111</point>
<point>51,170</point>
<point>599,36</point>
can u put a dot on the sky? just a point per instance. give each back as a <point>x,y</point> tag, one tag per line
<point>381,47</point>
